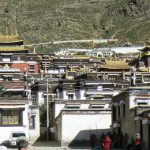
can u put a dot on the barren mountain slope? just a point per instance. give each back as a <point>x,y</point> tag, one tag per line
<point>45,20</point>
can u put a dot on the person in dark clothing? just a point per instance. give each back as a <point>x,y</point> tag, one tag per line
<point>93,141</point>
<point>125,140</point>
<point>102,139</point>
<point>22,144</point>
<point>137,143</point>
<point>131,144</point>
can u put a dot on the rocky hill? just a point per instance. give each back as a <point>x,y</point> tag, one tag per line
<point>45,20</point>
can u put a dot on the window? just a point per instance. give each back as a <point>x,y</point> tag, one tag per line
<point>7,77</point>
<point>142,101</point>
<point>70,96</point>
<point>112,77</point>
<point>114,113</point>
<point>100,77</point>
<point>124,110</point>
<point>146,78</point>
<point>11,117</point>
<point>32,67</point>
<point>98,106</point>
<point>118,111</point>
<point>32,122</point>
<point>73,106</point>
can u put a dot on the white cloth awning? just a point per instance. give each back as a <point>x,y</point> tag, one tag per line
<point>116,125</point>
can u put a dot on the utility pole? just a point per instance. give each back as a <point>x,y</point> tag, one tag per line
<point>47,100</point>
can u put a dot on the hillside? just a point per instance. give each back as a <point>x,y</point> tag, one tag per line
<point>45,20</point>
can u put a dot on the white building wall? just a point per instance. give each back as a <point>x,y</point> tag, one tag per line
<point>132,102</point>
<point>26,120</point>
<point>58,130</point>
<point>84,106</point>
<point>82,94</point>
<point>35,133</point>
<point>65,96</point>
<point>40,98</point>
<point>6,131</point>
<point>58,108</point>
<point>79,127</point>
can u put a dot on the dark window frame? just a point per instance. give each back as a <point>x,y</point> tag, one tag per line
<point>9,113</point>
<point>32,122</point>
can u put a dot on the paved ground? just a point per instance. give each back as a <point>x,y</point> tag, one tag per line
<point>54,146</point>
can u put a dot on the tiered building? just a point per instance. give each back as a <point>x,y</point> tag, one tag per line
<point>17,111</point>
<point>92,93</point>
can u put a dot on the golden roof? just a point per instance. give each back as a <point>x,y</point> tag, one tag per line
<point>116,64</point>
<point>10,39</point>
<point>12,48</point>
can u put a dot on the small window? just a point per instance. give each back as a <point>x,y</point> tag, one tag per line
<point>118,111</point>
<point>31,66</point>
<point>114,113</point>
<point>32,122</point>
<point>73,106</point>
<point>142,101</point>
<point>146,78</point>
<point>98,106</point>
<point>70,96</point>
<point>124,110</point>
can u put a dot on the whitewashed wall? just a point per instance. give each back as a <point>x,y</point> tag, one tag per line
<point>82,94</point>
<point>40,98</point>
<point>79,127</point>
<point>35,133</point>
<point>65,96</point>
<point>6,131</point>
<point>132,102</point>
<point>58,108</point>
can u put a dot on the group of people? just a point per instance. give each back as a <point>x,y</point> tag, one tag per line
<point>21,145</point>
<point>122,141</point>
<point>106,141</point>
<point>135,144</point>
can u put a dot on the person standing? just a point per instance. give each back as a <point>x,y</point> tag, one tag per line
<point>102,139</point>
<point>137,142</point>
<point>107,143</point>
<point>125,140</point>
<point>22,145</point>
<point>93,141</point>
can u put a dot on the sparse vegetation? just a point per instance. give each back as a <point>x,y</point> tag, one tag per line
<point>47,20</point>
